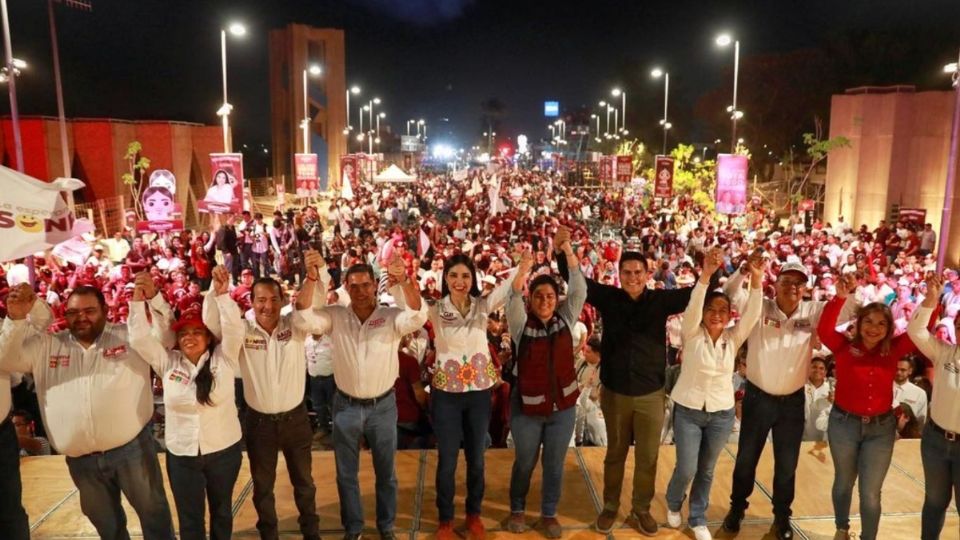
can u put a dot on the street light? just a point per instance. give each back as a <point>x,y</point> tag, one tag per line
<point>724,40</point>
<point>237,30</point>
<point>352,90</point>
<point>314,70</point>
<point>16,66</point>
<point>623,105</point>
<point>949,195</point>
<point>408,126</point>
<point>606,130</point>
<point>656,74</point>
<point>369,107</point>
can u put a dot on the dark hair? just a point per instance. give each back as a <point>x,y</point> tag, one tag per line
<point>594,343</point>
<point>359,268</point>
<point>712,295</point>
<point>270,282</point>
<point>875,307</point>
<point>544,279</point>
<point>87,290</point>
<point>21,412</point>
<point>204,379</point>
<point>156,189</point>
<point>628,256</point>
<point>819,359</point>
<point>458,259</point>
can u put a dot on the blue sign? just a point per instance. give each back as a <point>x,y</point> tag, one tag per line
<point>551,108</point>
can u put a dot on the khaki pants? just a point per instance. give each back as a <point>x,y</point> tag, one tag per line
<point>631,419</point>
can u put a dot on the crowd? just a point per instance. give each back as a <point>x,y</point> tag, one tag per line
<point>506,309</point>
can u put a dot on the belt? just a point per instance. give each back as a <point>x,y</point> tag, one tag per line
<point>774,396</point>
<point>277,417</point>
<point>865,419</point>
<point>364,402</point>
<point>950,436</point>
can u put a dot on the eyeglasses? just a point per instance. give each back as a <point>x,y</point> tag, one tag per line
<point>791,283</point>
<point>73,313</point>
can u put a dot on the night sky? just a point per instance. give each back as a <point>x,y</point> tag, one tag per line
<point>437,59</point>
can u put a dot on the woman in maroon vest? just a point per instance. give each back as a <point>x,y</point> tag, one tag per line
<point>543,406</point>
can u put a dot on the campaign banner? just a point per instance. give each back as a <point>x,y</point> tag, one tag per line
<point>606,170</point>
<point>305,174</point>
<point>348,176</point>
<point>917,216</point>
<point>624,169</point>
<point>731,183</point>
<point>407,163</point>
<point>663,177</point>
<point>225,194</point>
<point>161,212</point>
<point>409,143</point>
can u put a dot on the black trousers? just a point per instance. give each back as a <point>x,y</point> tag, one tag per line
<point>763,413</point>
<point>13,518</point>
<point>208,478</point>
<point>266,435</point>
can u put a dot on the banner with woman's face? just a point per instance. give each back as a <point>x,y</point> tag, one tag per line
<point>225,193</point>
<point>161,211</point>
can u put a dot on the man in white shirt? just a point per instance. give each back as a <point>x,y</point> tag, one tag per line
<point>274,383</point>
<point>905,391</point>
<point>366,338</point>
<point>96,400</point>
<point>322,385</point>
<point>817,399</point>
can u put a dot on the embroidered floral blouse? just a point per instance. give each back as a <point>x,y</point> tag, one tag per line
<point>463,357</point>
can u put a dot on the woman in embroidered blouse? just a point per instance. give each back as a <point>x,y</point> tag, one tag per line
<point>862,426</point>
<point>203,429</point>
<point>543,405</point>
<point>704,407</point>
<point>460,389</point>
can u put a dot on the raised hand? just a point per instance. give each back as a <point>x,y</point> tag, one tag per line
<point>144,282</point>
<point>561,240</point>
<point>20,301</point>
<point>712,261</point>
<point>221,280</point>
<point>846,285</point>
<point>396,270</point>
<point>934,289</point>
<point>526,261</point>
<point>313,261</point>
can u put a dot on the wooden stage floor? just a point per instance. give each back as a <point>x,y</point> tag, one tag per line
<point>54,506</point>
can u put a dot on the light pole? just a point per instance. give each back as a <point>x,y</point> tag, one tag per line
<point>12,70</point>
<point>360,131</point>
<point>408,126</point>
<point>597,118</point>
<point>606,131</point>
<point>369,108</point>
<point>656,74</point>
<point>316,71</point>
<point>949,195</point>
<point>623,105</point>
<point>346,129</point>
<point>379,116</point>
<point>723,40</point>
<point>238,30</point>
<point>422,123</point>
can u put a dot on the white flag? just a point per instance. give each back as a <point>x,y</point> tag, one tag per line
<point>33,215</point>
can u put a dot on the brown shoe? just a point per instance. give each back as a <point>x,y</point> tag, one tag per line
<point>644,523</point>
<point>841,534</point>
<point>516,523</point>
<point>605,521</point>
<point>551,527</point>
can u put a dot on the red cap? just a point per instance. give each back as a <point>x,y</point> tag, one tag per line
<point>188,318</point>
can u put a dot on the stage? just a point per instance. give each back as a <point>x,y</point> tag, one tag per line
<point>54,506</point>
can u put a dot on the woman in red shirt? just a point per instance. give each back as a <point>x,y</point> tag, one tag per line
<point>862,426</point>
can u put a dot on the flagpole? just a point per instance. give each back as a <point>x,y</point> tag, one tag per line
<point>64,145</point>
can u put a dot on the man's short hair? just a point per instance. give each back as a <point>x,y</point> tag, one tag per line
<point>359,268</point>
<point>269,281</point>
<point>628,256</point>
<point>87,290</point>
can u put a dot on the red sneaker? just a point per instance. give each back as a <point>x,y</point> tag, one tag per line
<point>475,528</point>
<point>445,531</point>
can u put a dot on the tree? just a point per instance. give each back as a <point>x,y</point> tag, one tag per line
<point>137,166</point>
<point>691,175</point>
<point>817,149</point>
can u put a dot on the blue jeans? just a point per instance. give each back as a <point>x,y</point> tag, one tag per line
<point>13,518</point>
<point>529,434</point>
<point>460,417</point>
<point>210,478</point>
<point>941,474</point>
<point>134,470</point>
<point>864,450</point>
<point>699,437</point>
<point>322,390</point>
<point>376,423</point>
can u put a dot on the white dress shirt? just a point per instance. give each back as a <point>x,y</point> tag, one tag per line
<point>319,356</point>
<point>92,400</point>
<point>706,374</point>
<point>192,428</point>
<point>946,382</point>
<point>780,347</point>
<point>816,401</point>
<point>912,395</point>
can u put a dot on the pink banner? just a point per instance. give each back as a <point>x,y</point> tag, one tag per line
<point>624,169</point>
<point>606,169</point>
<point>663,181</point>
<point>731,183</point>
<point>306,174</point>
<point>225,194</point>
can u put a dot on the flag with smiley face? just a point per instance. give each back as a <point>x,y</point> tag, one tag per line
<point>33,215</point>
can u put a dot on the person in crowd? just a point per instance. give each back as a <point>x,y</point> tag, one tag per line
<point>460,390</point>
<point>862,426</point>
<point>590,426</point>
<point>274,382</point>
<point>322,385</point>
<point>413,424</point>
<point>940,442</point>
<point>109,449</point>
<point>30,443</point>
<point>543,405</point>
<point>704,395</point>
<point>907,393</point>
<point>632,370</point>
<point>202,433</point>
<point>778,362</point>
<point>226,241</point>
<point>818,398</point>
<point>13,517</point>
<point>365,342</point>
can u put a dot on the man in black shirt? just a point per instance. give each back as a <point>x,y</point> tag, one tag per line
<point>226,242</point>
<point>632,366</point>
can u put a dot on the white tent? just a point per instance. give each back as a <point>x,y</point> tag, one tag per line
<point>393,174</point>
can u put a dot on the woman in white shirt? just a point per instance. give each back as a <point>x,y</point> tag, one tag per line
<point>703,397</point>
<point>460,389</point>
<point>202,427</point>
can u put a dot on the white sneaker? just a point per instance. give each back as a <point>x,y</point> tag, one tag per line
<point>701,532</point>
<point>673,519</point>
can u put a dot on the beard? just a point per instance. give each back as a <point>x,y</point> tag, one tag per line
<point>88,331</point>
